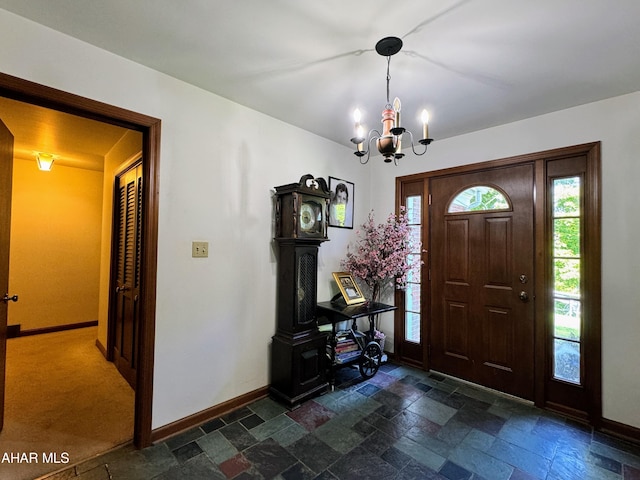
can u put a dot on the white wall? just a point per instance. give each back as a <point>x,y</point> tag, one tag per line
<point>615,122</point>
<point>219,164</point>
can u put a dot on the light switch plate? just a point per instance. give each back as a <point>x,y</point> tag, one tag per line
<point>200,249</point>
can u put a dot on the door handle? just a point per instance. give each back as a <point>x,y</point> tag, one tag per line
<point>524,296</point>
<point>123,288</point>
<point>7,298</point>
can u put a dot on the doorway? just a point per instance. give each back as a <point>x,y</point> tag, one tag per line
<point>28,92</point>
<point>506,298</point>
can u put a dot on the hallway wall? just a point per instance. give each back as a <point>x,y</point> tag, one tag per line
<point>55,245</point>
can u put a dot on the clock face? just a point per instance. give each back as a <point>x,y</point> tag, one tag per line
<point>308,216</point>
<point>311,217</point>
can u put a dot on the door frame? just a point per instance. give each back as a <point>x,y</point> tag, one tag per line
<point>593,385</point>
<point>41,95</point>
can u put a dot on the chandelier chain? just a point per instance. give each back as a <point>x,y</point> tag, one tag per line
<point>388,78</point>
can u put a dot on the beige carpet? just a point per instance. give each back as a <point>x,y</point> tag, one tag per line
<point>64,403</point>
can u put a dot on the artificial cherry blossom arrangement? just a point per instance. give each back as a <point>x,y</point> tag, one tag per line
<point>380,256</point>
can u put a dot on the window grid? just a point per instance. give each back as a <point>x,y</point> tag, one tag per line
<point>567,279</point>
<point>412,315</point>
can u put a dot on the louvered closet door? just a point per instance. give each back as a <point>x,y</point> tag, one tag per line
<point>126,318</point>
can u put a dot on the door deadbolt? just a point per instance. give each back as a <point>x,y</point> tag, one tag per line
<point>523,279</point>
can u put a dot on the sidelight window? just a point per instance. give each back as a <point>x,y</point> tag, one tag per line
<point>412,313</point>
<point>567,278</point>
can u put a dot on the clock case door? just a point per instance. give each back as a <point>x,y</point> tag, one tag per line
<point>297,287</point>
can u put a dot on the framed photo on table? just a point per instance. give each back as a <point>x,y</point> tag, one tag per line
<point>341,203</point>
<point>348,288</point>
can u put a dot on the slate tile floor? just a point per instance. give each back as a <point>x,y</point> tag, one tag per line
<point>401,424</point>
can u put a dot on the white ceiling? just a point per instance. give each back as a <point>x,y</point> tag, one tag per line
<point>472,63</point>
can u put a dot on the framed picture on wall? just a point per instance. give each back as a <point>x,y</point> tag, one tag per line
<point>341,203</point>
<point>348,288</point>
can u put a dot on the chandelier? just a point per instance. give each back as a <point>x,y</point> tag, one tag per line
<point>389,142</point>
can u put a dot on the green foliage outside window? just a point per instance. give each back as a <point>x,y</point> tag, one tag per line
<point>490,199</point>
<point>567,250</point>
<point>567,235</point>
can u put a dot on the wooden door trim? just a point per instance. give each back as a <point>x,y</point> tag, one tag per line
<point>593,202</point>
<point>593,207</point>
<point>131,162</point>
<point>399,331</point>
<point>37,94</point>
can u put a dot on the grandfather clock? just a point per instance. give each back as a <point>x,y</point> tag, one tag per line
<point>298,352</point>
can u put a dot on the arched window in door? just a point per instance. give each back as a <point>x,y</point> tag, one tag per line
<point>479,198</point>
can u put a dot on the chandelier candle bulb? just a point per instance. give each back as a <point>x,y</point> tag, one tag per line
<point>360,135</point>
<point>359,138</point>
<point>356,117</point>
<point>425,124</point>
<point>397,106</point>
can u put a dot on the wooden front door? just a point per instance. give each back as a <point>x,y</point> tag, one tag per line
<point>6,176</point>
<point>125,326</point>
<point>482,277</point>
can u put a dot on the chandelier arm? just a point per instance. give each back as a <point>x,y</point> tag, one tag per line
<point>364,160</point>
<point>413,146</point>
<point>371,136</point>
<point>374,137</point>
